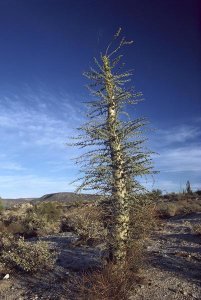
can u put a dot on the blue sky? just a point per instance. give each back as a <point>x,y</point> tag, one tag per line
<point>45,47</point>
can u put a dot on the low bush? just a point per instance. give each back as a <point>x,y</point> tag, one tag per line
<point>51,217</point>
<point>157,193</point>
<point>86,221</point>
<point>44,218</point>
<point>136,255</point>
<point>38,223</point>
<point>49,211</point>
<point>181,205</point>
<point>25,256</point>
<point>31,220</point>
<point>166,210</point>
<point>143,222</point>
<point>110,283</point>
<point>187,206</point>
<point>143,219</point>
<point>1,205</point>
<point>12,228</point>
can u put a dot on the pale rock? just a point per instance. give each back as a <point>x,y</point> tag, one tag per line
<point>7,276</point>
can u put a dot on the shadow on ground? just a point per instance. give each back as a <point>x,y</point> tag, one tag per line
<point>180,251</point>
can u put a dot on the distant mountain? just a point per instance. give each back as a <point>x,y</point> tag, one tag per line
<point>60,197</point>
<point>67,197</point>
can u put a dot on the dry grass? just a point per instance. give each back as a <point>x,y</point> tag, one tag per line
<point>110,283</point>
<point>136,255</point>
<point>143,220</point>
<point>179,205</point>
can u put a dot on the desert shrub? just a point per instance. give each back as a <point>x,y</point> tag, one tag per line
<point>33,224</point>
<point>182,205</point>
<point>2,226</point>
<point>143,222</point>
<point>67,225</point>
<point>167,210</point>
<point>157,192</point>
<point>143,219</point>
<point>196,229</point>
<point>25,256</point>
<point>10,223</point>
<point>49,211</point>
<point>1,205</point>
<point>136,255</point>
<point>86,221</point>
<point>38,226</point>
<point>31,220</point>
<point>12,228</point>
<point>42,219</point>
<point>188,206</point>
<point>110,283</point>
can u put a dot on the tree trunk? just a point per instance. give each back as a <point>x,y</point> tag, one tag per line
<point>119,232</point>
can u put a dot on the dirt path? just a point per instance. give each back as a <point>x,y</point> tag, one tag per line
<point>173,270</point>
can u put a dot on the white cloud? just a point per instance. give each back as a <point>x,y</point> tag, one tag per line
<point>9,163</point>
<point>184,159</point>
<point>39,125</point>
<point>179,134</point>
<point>34,130</point>
<point>11,166</point>
<point>178,148</point>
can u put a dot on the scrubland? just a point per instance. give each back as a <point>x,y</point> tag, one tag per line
<point>59,249</point>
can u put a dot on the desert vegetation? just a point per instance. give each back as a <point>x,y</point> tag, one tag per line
<point>24,226</point>
<point>115,156</point>
<point>178,204</point>
<point>18,254</point>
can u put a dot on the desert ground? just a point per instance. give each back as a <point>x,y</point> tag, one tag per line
<point>171,270</point>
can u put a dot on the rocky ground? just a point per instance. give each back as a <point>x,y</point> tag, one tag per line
<point>174,265</point>
<point>173,269</point>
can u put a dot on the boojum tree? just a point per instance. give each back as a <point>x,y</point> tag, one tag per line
<point>117,156</point>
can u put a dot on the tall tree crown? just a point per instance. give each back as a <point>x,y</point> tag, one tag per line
<point>117,155</point>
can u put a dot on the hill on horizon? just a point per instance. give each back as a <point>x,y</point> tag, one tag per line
<point>59,197</point>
